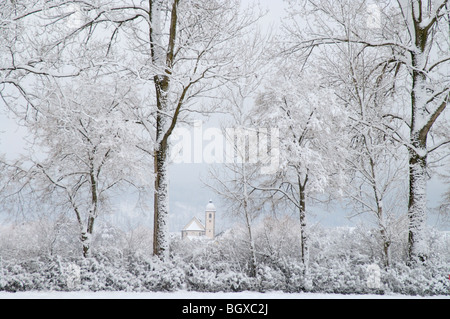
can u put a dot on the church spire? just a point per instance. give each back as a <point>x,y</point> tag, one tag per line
<point>210,220</point>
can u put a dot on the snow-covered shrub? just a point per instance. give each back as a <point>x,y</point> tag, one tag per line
<point>33,274</point>
<point>164,276</point>
<point>101,273</point>
<point>235,281</point>
<point>215,280</point>
<point>338,276</point>
<point>72,274</point>
<point>270,279</point>
<point>202,280</point>
<point>294,275</point>
<point>422,280</point>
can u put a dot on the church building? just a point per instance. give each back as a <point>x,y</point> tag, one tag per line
<point>196,229</point>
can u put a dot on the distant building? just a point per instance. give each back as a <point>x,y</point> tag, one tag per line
<point>196,229</point>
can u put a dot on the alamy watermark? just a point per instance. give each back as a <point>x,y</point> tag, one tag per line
<point>374,20</point>
<point>230,145</point>
<point>373,276</point>
<point>76,18</point>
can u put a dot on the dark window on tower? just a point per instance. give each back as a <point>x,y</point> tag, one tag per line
<point>210,215</point>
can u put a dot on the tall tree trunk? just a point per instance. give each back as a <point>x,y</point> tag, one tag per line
<point>86,244</point>
<point>424,113</point>
<point>304,234</point>
<point>161,205</point>
<point>248,221</point>
<point>163,60</point>
<point>417,205</point>
<point>86,236</point>
<point>379,204</point>
<point>161,191</point>
<point>302,213</point>
<point>419,129</point>
<point>384,237</point>
<point>253,262</point>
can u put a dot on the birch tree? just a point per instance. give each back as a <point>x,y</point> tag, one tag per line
<point>430,95</point>
<point>83,151</point>
<point>373,159</point>
<point>312,126</point>
<point>413,37</point>
<point>191,60</point>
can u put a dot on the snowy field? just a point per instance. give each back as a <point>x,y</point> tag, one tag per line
<point>197,295</point>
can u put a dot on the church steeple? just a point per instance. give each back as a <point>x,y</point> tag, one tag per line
<point>210,220</point>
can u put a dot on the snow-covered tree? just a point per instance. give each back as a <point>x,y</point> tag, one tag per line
<point>32,47</point>
<point>191,60</point>
<point>312,126</point>
<point>373,160</point>
<point>83,149</point>
<point>413,38</point>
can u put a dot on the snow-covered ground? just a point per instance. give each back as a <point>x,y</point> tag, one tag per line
<point>196,295</point>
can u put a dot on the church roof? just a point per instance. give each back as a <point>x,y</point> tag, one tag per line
<point>194,225</point>
<point>210,207</point>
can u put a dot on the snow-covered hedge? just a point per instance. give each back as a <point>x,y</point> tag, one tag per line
<point>138,273</point>
<point>339,262</point>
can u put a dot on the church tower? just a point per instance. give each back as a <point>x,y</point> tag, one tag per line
<point>210,220</point>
